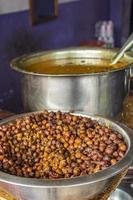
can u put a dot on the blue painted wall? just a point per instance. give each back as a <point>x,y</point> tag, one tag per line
<point>74,24</point>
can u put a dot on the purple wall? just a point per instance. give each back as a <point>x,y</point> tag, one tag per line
<point>116,9</point>
<point>74,24</point>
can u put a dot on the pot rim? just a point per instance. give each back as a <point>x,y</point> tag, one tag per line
<point>17,63</point>
<point>82,180</point>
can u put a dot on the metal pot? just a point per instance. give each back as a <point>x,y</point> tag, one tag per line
<point>97,93</point>
<point>81,188</point>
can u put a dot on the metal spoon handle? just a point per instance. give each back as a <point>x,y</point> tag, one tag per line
<point>128,44</point>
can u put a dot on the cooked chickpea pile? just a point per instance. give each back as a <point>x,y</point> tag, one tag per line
<point>58,145</point>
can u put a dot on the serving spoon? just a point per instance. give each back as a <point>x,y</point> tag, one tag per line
<point>127,45</point>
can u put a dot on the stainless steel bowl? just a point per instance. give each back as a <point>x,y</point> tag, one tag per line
<point>120,195</point>
<point>81,188</point>
<point>95,93</point>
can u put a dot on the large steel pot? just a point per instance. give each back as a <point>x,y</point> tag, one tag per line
<point>98,93</point>
<point>78,188</point>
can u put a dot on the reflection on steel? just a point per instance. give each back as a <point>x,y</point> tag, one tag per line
<point>120,195</point>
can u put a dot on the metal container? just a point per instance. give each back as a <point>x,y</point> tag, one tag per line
<point>120,195</point>
<point>78,188</point>
<point>129,56</point>
<point>97,93</point>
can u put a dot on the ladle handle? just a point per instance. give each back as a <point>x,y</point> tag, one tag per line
<point>128,44</point>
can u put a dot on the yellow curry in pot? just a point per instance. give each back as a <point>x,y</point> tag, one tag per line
<point>72,66</point>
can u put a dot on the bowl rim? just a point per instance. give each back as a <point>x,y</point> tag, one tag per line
<point>109,172</point>
<point>17,63</point>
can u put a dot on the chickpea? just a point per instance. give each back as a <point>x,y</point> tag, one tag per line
<point>58,145</point>
<point>122,147</point>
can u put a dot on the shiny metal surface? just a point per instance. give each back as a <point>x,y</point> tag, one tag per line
<point>120,195</point>
<point>127,46</point>
<point>129,56</point>
<point>82,188</point>
<point>98,93</point>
